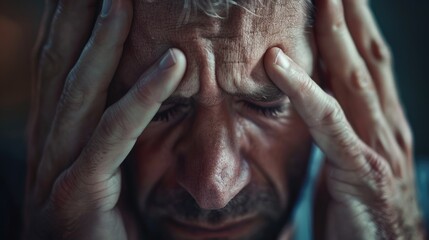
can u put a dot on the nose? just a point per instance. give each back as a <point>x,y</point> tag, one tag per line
<point>211,167</point>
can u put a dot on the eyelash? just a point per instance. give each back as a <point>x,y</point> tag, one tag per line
<point>271,111</point>
<point>166,115</point>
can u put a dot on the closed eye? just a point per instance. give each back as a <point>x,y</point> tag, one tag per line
<point>170,113</point>
<point>267,111</point>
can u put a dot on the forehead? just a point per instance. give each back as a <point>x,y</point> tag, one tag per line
<point>227,49</point>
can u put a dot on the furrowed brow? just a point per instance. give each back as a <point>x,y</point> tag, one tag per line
<point>264,94</point>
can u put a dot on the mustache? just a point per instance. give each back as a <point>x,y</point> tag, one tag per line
<point>181,206</point>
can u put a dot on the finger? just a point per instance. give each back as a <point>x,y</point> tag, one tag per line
<point>34,132</point>
<point>371,47</point>
<point>84,95</point>
<point>123,122</point>
<point>324,117</point>
<point>378,59</point>
<point>352,83</point>
<point>321,112</point>
<point>70,28</point>
<point>45,23</point>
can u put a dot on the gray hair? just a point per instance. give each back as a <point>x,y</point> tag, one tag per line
<point>217,8</point>
<point>213,8</point>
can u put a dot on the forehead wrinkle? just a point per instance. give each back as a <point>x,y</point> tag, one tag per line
<point>208,28</point>
<point>257,8</point>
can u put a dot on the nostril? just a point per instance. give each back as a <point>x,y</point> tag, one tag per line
<point>212,199</point>
<point>216,191</point>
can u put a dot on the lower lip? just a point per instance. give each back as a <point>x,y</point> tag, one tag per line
<point>187,231</point>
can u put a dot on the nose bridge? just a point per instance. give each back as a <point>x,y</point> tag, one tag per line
<point>211,169</point>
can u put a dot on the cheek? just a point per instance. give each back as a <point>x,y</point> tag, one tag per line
<point>154,160</point>
<point>279,153</point>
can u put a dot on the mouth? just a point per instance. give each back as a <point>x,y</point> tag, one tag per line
<point>229,229</point>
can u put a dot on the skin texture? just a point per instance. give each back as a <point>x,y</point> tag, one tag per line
<point>217,166</point>
<point>215,145</point>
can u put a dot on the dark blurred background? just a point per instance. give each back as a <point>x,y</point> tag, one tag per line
<point>405,25</point>
<point>18,27</point>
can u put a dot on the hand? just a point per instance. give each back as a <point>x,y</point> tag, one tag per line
<point>362,129</point>
<point>75,145</point>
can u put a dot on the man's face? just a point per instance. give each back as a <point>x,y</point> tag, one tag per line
<point>226,155</point>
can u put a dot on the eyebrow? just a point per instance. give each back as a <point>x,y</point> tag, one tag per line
<point>264,94</point>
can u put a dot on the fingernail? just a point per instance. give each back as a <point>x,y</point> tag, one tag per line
<point>281,60</point>
<point>168,60</point>
<point>107,5</point>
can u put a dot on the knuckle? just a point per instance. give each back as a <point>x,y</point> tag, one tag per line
<point>378,173</point>
<point>381,52</point>
<point>63,5</point>
<point>355,76</point>
<point>106,34</point>
<point>402,131</point>
<point>353,150</point>
<point>333,12</point>
<point>109,123</point>
<point>408,137</point>
<point>332,115</point>
<point>306,88</point>
<point>73,96</point>
<point>50,63</point>
<point>114,126</point>
<point>63,190</point>
<point>93,154</point>
<point>97,39</point>
<point>69,201</point>
<point>148,95</point>
<point>359,78</point>
<point>407,132</point>
<point>338,24</point>
<point>405,139</point>
<point>348,145</point>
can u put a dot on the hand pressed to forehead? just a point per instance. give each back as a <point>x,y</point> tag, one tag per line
<point>225,135</point>
<point>211,132</point>
<point>225,51</point>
